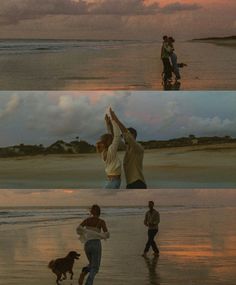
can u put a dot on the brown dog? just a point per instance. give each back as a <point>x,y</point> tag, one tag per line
<point>60,266</point>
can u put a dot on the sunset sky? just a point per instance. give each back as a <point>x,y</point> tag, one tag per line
<point>45,117</point>
<point>59,197</point>
<point>116,19</point>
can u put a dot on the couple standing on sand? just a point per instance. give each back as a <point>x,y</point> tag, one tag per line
<point>93,229</point>
<point>169,59</point>
<point>108,145</point>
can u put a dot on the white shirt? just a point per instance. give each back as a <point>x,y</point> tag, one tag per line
<point>86,234</point>
<point>112,162</point>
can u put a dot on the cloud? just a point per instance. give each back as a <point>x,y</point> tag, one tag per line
<point>10,107</point>
<point>211,125</point>
<point>14,11</point>
<point>77,114</point>
<point>178,7</point>
<point>125,7</point>
<point>41,117</point>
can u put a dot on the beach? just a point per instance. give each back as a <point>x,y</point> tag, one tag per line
<point>197,243</point>
<point>111,65</point>
<point>206,166</point>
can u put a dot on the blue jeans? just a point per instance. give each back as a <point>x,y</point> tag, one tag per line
<point>93,250</point>
<point>175,66</point>
<point>113,184</point>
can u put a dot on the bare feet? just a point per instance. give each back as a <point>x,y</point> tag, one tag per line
<point>144,254</point>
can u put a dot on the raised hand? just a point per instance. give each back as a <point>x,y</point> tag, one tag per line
<point>113,115</point>
<point>107,119</point>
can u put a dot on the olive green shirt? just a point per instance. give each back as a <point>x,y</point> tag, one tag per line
<point>133,159</point>
<point>165,50</point>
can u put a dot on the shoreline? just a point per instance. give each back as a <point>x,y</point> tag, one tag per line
<point>226,42</point>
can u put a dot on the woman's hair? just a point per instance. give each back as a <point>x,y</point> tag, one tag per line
<point>106,138</point>
<point>96,209</point>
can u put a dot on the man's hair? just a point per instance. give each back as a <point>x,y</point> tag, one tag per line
<point>133,132</point>
<point>151,202</point>
<point>165,37</point>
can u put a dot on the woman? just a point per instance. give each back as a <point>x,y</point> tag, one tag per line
<point>107,146</point>
<point>91,235</point>
<point>173,58</point>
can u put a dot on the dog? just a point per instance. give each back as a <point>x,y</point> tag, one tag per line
<point>60,266</point>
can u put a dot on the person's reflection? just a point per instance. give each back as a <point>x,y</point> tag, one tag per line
<point>154,277</point>
<point>171,86</point>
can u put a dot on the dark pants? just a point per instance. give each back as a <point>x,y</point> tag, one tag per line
<point>138,184</point>
<point>167,68</point>
<point>151,242</point>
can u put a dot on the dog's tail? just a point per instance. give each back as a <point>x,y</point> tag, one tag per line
<point>51,264</point>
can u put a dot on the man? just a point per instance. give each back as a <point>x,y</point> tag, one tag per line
<point>165,54</point>
<point>152,220</point>
<point>133,159</point>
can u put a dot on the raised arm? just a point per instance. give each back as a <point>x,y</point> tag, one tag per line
<point>109,125</point>
<point>118,122</point>
<point>116,138</point>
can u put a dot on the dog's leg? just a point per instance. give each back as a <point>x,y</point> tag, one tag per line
<point>71,274</point>
<point>58,278</point>
<point>64,275</point>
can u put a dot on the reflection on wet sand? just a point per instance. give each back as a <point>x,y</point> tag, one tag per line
<point>124,66</point>
<point>171,85</point>
<point>197,246</point>
<point>154,277</point>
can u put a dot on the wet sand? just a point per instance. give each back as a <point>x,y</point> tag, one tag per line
<point>130,67</point>
<point>197,246</point>
<point>210,166</point>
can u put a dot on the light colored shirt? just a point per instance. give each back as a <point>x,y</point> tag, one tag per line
<point>133,159</point>
<point>91,233</point>
<point>152,219</point>
<point>112,161</point>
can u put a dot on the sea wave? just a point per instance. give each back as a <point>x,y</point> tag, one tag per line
<point>47,46</point>
<point>44,216</point>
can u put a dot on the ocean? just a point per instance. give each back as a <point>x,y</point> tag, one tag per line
<point>47,216</point>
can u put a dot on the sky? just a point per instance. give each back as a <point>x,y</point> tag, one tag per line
<point>81,197</point>
<point>116,19</point>
<point>45,117</point>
